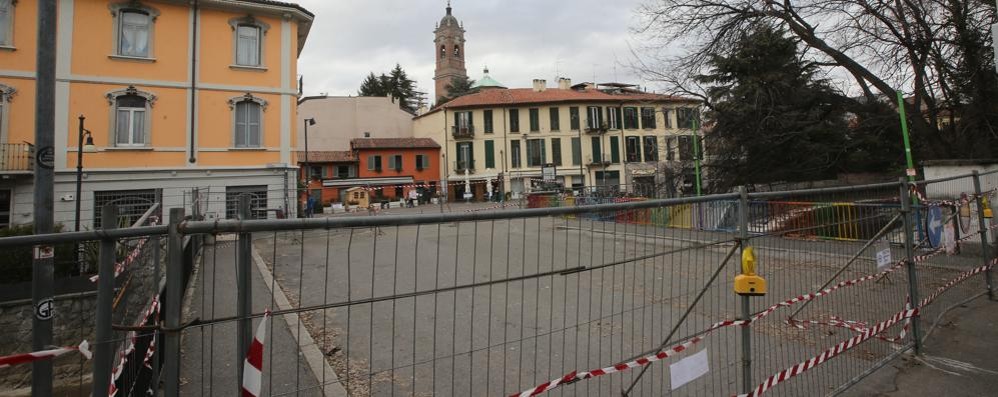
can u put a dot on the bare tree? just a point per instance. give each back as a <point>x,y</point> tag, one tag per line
<point>937,51</point>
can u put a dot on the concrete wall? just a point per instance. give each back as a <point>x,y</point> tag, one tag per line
<point>340,119</point>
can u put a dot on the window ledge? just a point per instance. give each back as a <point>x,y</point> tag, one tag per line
<point>248,68</point>
<point>5,47</point>
<point>127,148</point>
<point>247,149</point>
<point>131,58</point>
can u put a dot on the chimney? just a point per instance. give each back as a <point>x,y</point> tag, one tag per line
<point>589,86</point>
<point>539,85</point>
<point>564,83</point>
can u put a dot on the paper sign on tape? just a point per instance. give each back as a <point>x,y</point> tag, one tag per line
<point>688,369</point>
<point>883,255</point>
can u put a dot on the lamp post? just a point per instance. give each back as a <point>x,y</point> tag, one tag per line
<point>305,174</point>
<point>80,148</point>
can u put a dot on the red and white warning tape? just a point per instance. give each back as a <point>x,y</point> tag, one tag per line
<point>130,348</point>
<point>866,332</point>
<point>24,358</point>
<point>253,366</point>
<point>498,206</point>
<point>964,198</point>
<point>826,355</point>
<point>124,263</point>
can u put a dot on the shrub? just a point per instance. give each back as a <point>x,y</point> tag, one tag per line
<point>15,263</point>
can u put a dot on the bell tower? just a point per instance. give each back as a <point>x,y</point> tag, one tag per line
<point>449,48</point>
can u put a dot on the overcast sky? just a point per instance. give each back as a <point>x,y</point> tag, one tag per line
<point>519,40</point>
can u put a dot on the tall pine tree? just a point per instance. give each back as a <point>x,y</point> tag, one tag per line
<point>772,119</point>
<point>395,84</point>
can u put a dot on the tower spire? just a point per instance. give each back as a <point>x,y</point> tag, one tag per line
<point>448,7</point>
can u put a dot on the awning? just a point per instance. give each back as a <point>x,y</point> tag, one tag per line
<point>367,182</point>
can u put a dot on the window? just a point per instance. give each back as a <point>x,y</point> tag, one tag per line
<point>613,117</point>
<point>422,162</point>
<point>594,120</point>
<point>648,118</point>
<point>536,155</point>
<point>443,51</point>
<point>573,116</point>
<point>6,198</point>
<point>465,156</point>
<point>555,122</point>
<point>556,151</point>
<point>133,33</point>
<point>345,171</point>
<point>651,148</point>
<point>669,144</point>
<point>132,204</point>
<point>129,129</point>
<point>535,120</point>
<point>686,151</point>
<point>395,162</point>
<point>247,45</point>
<point>597,150</point>
<point>576,151</point>
<point>6,27</point>
<point>632,149</point>
<point>490,154</point>
<point>457,51</point>
<point>686,117</point>
<point>514,153</point>
<point>258,201</point>
<point>488,121</point>
<point>514,120</point>
<point>631,118</point>
<point>374,163</point>
<point>667,116</point>
<point>462,119</point>
<point>248,115</point>
<point>614,149</point>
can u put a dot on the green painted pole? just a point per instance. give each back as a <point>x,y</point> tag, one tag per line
<point>696,154</point>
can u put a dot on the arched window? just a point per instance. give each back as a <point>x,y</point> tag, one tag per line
<point>443,51</point>
<point>247,121</point>
<point>133,29</point>
<point>457,51</point>
<point>130,117</point>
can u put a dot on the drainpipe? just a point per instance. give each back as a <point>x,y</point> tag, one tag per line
<point>194,78</point>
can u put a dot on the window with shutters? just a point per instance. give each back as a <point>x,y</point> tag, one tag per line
<point>395,162</point>
<point>632,147</point>
<point>594,120</point>
<point>6,23</point>
<point>614,150</point>
<point>648,118</point>
<point>597,144</point>
<point>667,117</point>
<point>631,118</point>
<point>514,120</point>
<point>686,117</point>
<point>514,153</point>
<point>487,115</point>
<point>490,154</point>
<point>535,119</point>
<point>556,151</point>
<point>613,118</point>
<point>573,116</point>
<point>248,121</point>
<point>554,119</point>
<point>651,148</point>
<point>374,163</point>
<point>422,162</point>
<point>536,155</point>
<point>248,41</point>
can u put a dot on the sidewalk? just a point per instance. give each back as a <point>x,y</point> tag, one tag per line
<point>960,358</point>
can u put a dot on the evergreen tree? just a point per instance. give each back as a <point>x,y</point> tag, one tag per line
<point>395,84</point>
<point>773,119</point>
<point>460,85</point>
<point>371,86</point>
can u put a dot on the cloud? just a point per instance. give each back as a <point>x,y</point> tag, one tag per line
<point>519,40</point>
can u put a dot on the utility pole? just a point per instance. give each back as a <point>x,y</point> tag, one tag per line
<point>43,265</point>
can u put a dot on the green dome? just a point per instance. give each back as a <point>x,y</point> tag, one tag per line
<point>487,82</point>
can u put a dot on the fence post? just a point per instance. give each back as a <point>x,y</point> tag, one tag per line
<point>746,331</point>
<point>983,227</point>
<point>103,349</point>
<point>909,252</point>
<point>244,294</point>
<point>174,289</point>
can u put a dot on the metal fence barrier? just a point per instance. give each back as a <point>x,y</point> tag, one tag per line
<point>577,296</point>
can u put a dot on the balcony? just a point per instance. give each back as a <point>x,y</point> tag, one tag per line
<point>17,158</point>
<point>599,161</point>
<point>463,131</point>
<point>464,165</point>
<point>596,129</point>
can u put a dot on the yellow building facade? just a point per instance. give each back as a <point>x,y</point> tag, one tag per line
<point>176,95</point>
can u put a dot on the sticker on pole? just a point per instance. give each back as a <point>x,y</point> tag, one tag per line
<point>44,252</point>
<point>688,369</point>
<point>911,172</point>
<point>883,255</point>
<point>43,310</point>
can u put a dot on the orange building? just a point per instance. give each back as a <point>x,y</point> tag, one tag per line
<point>391,167</point>
<point>176,95</point>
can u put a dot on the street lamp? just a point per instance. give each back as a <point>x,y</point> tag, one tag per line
<point>80,149</point>
<point>305,174</point>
